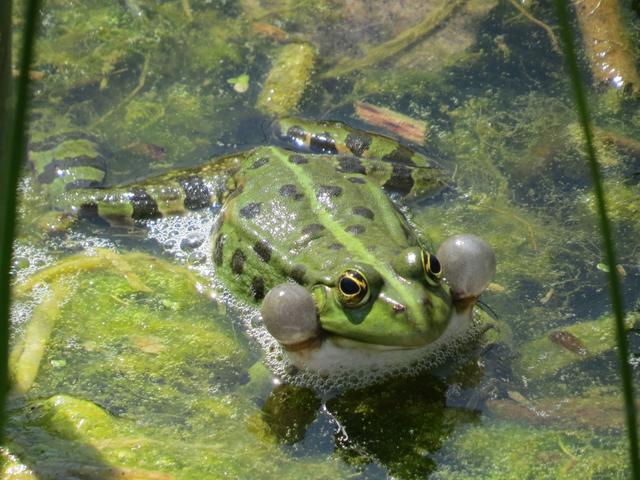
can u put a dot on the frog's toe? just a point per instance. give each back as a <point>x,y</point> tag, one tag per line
<point>469,265</point>
<point>290,314</point>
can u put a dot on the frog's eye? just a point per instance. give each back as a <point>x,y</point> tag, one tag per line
<point>353,289</point>
<point>432,268</point>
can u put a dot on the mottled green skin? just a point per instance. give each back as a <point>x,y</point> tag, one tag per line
<point>297,217</point>
<point>398,168</point>
<point>308,218</point>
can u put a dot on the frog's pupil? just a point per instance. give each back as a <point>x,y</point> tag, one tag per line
<point>348,286</point>
<point>435,264</point>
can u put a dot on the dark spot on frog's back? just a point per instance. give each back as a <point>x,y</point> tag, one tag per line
<point>196,193</point>
<point>312,229</point>
<point>237,262</point>
<point>401,180</point>
<point>263,249</point>
<point>298,159</point>
<point>296,132</point>
<point>401,155</point>
<point>328,191</point>
<point>358,143</point>
<point>144,206</point>
<point>260,163</point>
<point>218,248</point>
<point>323,143</point>
<point>257,288</point>
<point>335,246</point>
<point>297,273</point>
<point>290,191</point>
<point>356,229</point>
<point>350,165</point>
<point>357,180</point>
<point>251,210</point>
<point>363,212</point>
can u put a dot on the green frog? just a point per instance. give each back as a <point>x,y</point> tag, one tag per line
<point>311,233</point>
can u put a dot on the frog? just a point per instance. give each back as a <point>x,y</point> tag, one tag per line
<point>313,232</point>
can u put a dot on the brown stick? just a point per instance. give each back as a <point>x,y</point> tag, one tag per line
<point>607,44</point>
<point>405,127</point>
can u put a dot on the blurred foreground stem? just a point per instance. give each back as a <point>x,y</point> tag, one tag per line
<point>566,33</point>
<point>12,151</point>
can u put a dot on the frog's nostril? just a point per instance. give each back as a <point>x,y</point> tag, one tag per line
<point>399,308</point>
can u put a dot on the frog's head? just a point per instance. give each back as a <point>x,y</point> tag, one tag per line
<point>362,307</point>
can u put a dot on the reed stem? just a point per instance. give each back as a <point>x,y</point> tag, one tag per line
<point>566,34</point>
<point>12,151</point>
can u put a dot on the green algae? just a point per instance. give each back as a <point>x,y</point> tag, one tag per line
<point>510,451</point>
<point>73,436</point>
<point>542,357</point>
<point>172,380</point>
<point>140,381</point>
<point>287,79</point>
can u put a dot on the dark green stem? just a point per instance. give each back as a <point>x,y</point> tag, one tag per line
<point>12,149</point>
<point>566,33</point>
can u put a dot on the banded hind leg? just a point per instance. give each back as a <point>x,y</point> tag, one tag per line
<point>72,171</point>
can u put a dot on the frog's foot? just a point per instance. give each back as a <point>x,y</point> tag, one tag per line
<point>291,317</point>
<point>469,265</point>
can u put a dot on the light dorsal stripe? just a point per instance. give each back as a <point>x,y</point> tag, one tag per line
<point>347,239</point>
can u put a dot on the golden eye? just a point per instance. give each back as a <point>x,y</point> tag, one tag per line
<point>353,289</point>
<point>432,268</point>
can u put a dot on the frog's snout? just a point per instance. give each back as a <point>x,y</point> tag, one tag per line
<point>290,315</point>
<point>469,265</point>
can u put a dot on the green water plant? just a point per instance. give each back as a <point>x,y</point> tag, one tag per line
<point>12,146</point>
<point>566,33</point>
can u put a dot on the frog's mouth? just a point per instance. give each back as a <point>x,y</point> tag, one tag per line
<point>460,318</point>
<point>291,315</point>
<point>330,354</point>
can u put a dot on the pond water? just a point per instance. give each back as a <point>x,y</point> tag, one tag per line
<point>130,360</point>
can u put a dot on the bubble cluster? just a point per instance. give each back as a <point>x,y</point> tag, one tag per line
<point>187,238</point>
<point>27,260</point>
<point>403,363</point>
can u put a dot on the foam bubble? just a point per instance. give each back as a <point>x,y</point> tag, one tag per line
<point>173,233</point>
<point>169,232</point>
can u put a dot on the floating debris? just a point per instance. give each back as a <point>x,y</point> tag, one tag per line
<point>267,30</point>
<point>569,341</point>
<point>403,126</point>
<point>150,151</point>
<point>240,83</point>
<point>606,41</point>
<point>287,80</point>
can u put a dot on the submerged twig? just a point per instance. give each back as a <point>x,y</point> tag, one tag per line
<point>552,36</point>
<point>392,47</point>
<point>133,93</point>
<point>83,263</point>
<point>395,122</point>
<point>606,44</point>
<point>187,9</point>
<point>27,355</point>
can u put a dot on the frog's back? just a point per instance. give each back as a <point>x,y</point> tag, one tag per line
<point>303,217</point>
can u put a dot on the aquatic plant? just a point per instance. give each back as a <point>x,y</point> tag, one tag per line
<point>12,146</point>
<point>582,110</point>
